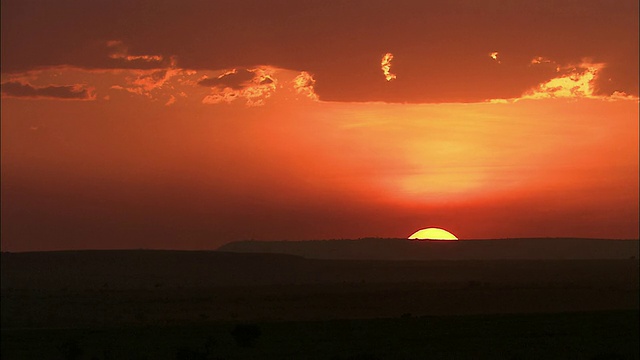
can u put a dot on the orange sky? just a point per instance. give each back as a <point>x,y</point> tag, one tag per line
<point>186,125</point>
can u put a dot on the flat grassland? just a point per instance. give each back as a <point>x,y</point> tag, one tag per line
<point>190,305</point>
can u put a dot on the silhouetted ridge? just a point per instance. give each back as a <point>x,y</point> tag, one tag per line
<point>402,249</point>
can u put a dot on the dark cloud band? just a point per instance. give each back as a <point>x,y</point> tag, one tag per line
<point>440,47</point>
<point>67,92</point>
<point>236,80</point>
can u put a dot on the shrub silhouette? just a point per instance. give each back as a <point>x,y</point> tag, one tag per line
<point>361,356</point>
<point>71,350</point>
<point>185,353</point>
<point>608,356</point>
<point>246,335</point>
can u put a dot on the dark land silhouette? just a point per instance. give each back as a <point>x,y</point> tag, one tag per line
<point>153,304</point>
<point>402,249</point>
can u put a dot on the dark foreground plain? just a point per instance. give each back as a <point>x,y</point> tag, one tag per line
<point>216,305</point>
<point>595,335</point>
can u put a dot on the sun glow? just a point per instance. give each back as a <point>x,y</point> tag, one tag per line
<point>432,234</point>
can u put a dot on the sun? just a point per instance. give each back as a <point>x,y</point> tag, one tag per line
<point>432,234</point>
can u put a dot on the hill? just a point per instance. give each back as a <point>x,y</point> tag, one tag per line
<point>402,249</point>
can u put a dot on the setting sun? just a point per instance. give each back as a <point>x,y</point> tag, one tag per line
<point>432,234</point>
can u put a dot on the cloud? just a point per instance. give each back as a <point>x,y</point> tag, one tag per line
<point>172,85</point>
<point>578,82</point>
<point>148,82</point>
<point>541,60</point>
<point>171,101</point>
<point>574,81</point>
<point>303,84</point>
<point>119,51</point>
<point>233,79</point>
<point>64,92</point>
<point>154,80</point>
<point>442,42</point>
<point>221,97</point>
<point>385,65</point>
<point>253,85</point>
<point>494,56</point>
<point>266,81</point>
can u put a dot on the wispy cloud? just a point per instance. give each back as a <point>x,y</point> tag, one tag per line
<point>439,62</point>
<point>541,60</point>
<point>494,55</point>
<point>577,82</point>
<point>62,92</point>
<point>234,79</point>
<point>303,84</point>
<point>572,82</point>
<point>120,51</point>
<point>385,65</point>
<point>149,82</point>
<point>253,85</point>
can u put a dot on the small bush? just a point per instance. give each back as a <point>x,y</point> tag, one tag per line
<point>185,353</point>
<point>246,335</point>
<point>608,356</point>
<point>71,350</point>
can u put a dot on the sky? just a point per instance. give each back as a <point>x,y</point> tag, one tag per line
<point>180,124</point>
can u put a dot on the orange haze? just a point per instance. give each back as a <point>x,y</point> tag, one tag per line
<point>116,136</point>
